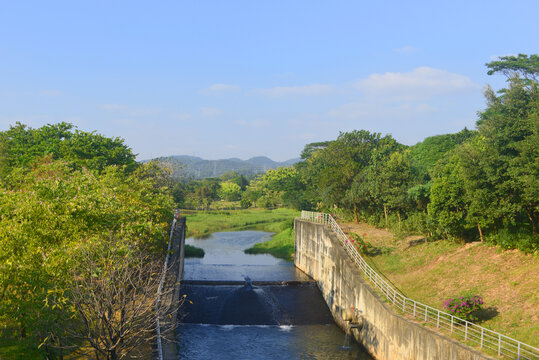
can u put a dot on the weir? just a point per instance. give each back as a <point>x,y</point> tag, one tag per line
<point>258,307</point>
<point>243,306</point>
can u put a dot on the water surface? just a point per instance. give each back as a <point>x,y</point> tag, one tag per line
<point>255,322</point>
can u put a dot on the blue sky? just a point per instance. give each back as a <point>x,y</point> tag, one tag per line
<point>221,79</point>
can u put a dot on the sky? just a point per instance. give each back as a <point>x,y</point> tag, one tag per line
<point>221,79</point>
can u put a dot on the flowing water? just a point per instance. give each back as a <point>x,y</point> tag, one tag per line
<point>251,316</point>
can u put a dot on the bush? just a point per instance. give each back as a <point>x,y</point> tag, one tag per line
<point>245,203</point>
<point>464,306</point>
<point>193,252</point>
<point>515,238</point>
<point>356,240</point>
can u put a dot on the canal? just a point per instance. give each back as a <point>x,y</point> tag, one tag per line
<point>244,306</point>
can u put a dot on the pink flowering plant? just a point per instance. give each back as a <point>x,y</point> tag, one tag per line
<point>357,241</point>
<point>464,306</point>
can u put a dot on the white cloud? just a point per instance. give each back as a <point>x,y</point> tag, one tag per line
<point>130,111</point>
<point>231,147</point>
<point>50,92</point>
<point>406,50</point>
<point>376,111</point>
<point>256,123</point>
<point>114,107</point>
<point>211,111</point>
<point>497,57</point>
<point>314,89</point>
<point>220,89</point>
<point>420,83</point>
<point>182,117</point>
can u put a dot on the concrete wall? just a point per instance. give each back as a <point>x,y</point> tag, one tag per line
<point>384,334</point>
<point>171,290</point>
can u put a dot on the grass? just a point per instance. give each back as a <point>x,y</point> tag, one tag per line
<point>279,221</point>
<point>193,251</point>
<point>281,245</point>
<point>15,348</point>
<point>431,272</point>
<point>204,223</point>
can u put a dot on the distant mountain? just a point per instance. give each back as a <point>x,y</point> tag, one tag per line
<point>185,166</point>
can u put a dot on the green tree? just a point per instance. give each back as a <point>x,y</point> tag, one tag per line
<point>447,199</point>
<point>51,210</point>
<point>22,146</point>
<point>512,66</point>
<point>509,129</point>
<point>229,191</point>
<point>425,154</point>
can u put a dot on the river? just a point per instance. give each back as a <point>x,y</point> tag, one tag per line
<point>250,321</point>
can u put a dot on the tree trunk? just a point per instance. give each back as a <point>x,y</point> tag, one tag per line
<point>385,215</point>
<point>399,215</point>
<point>531,221</point>
<point>480,232</point>
<point>355,213</point>
<point>61,355</point>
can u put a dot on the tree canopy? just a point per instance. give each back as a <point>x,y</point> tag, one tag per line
<point>62,191</point>
<point>526,66</point>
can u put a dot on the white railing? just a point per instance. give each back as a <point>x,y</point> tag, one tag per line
<point>459,328</point>
<point>160,288</point>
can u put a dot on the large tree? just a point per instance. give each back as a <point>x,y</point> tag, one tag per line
<point>522,65</point>
<point>50,211</point>
<point>22,146</point>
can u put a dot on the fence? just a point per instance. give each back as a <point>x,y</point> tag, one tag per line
<point>160,288</point>
<point>459,328</point>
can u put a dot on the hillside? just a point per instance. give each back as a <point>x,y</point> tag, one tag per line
<point>185,166</point>
<point>433,271</point>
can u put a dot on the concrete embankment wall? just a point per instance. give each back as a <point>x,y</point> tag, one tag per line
<point>171,288</point>
<point>384,334</point>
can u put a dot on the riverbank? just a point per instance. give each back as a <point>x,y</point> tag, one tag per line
<point>278,221</point>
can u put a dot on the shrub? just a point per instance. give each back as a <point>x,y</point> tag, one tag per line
<point>356,240</point>
<point>245,203</point>
<point>464,306</point>
<point>193,252</point>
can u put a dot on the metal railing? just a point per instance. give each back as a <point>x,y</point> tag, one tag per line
<point>459,328</point>
<point>160,288</point>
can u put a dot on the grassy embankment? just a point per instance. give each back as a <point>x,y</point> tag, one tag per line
<point>431,272</point>
<point>279,221</point>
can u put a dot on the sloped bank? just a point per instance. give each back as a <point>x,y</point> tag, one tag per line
<point>384,334</point>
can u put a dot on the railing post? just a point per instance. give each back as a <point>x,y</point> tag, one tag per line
<point>466,331</point>
<point>414,307</point>
<point>438,320</point>
<point>499,345</point>
<point>451,324</point>
<point>482,335</point>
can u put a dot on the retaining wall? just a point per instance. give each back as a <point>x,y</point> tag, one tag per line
<point>385,335</point>
<point>171,288</point>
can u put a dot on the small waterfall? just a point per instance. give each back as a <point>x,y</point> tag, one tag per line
<point>247,306</point>
<point>346,343</point>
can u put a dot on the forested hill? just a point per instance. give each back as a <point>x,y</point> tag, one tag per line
<point>185,166</point>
